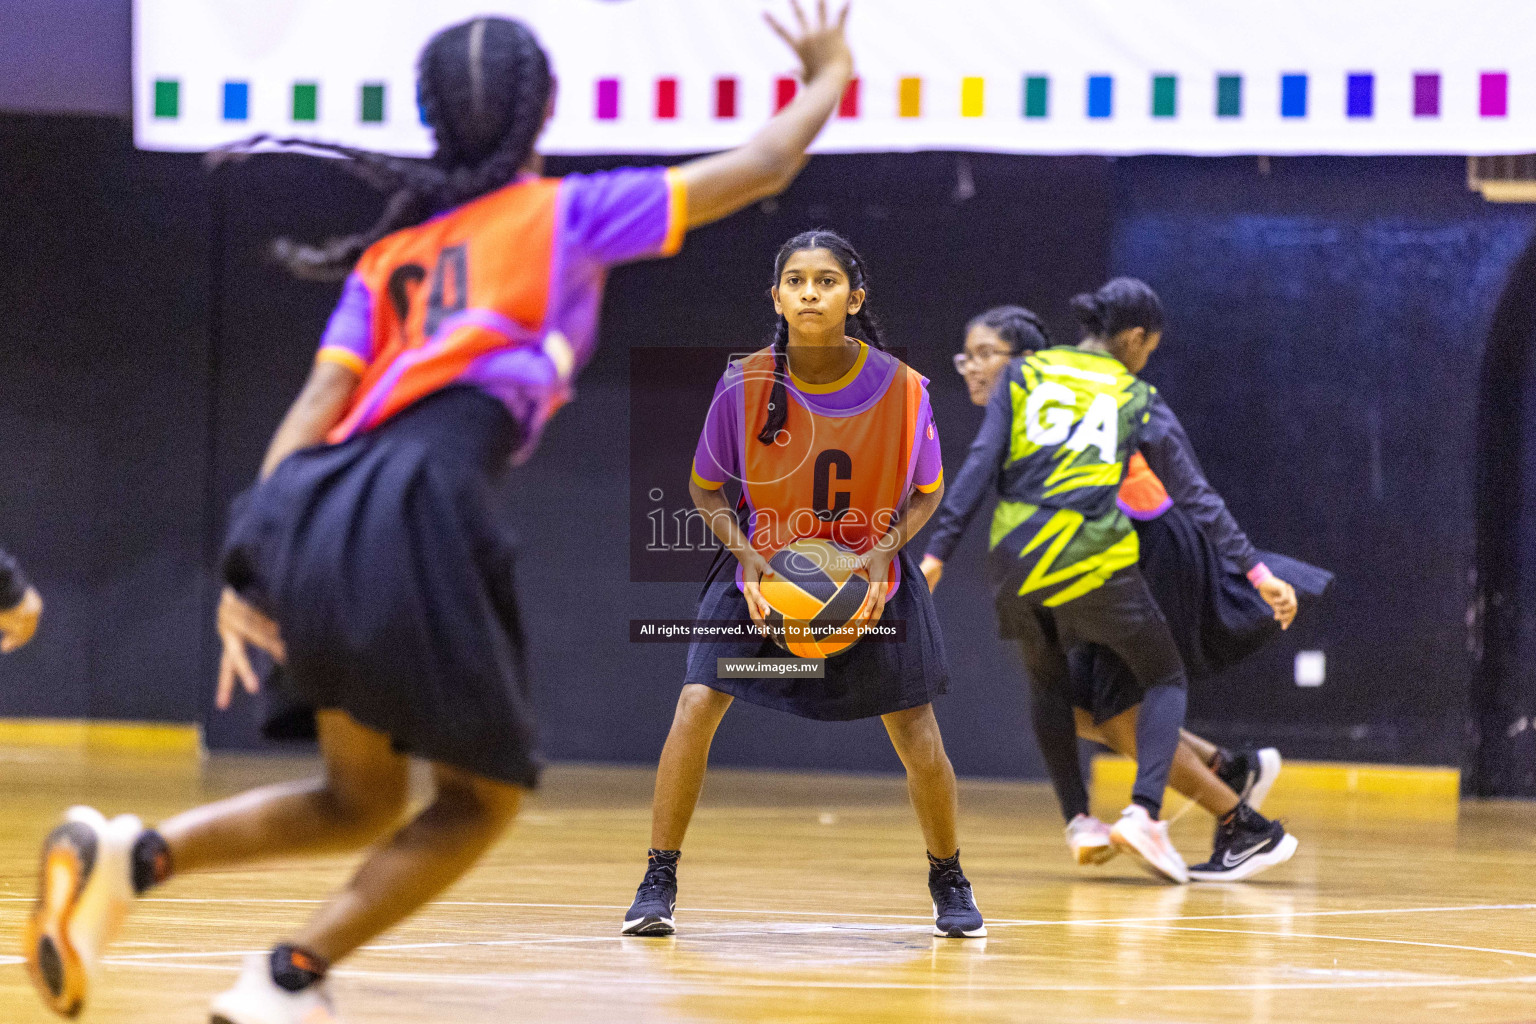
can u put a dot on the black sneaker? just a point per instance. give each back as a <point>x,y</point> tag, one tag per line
<point>655,900</point>
<point>1246,843</point>
<point>1250,773</point>
<point>954,908</point>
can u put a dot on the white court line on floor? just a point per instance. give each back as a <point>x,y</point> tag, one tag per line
<point>856,914</point>
<point>682,986</point>
<point>1348,938</point>
<point>1168,924</point>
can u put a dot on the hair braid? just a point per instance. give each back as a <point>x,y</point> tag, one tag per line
<point>1018,326</point>
<point>483,87</point>
<point>778,398</point>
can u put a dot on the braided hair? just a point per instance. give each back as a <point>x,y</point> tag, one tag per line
<point>1123,304</point>
<point>1018,326</point>
<point>483,87</point>
<point>852,263</point>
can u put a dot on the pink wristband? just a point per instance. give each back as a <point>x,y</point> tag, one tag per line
<point>1260,574</point>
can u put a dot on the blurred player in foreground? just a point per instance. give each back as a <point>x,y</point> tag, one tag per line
<point>370,558</point>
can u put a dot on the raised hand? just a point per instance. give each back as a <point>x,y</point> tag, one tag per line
<point>820,45</point>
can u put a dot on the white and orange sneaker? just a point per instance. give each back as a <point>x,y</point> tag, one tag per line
<point>1147,840</point>
<point>1089,840</point>
<point>85,886</point>
<point>257,999</point>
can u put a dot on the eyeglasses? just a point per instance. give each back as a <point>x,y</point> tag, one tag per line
<point>964,359</point>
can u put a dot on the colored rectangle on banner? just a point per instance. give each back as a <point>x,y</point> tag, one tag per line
<point>849,107</point>
<point>1165,96</point>
<point>666,99</point>
<point>237,101</point>
<point>607,99</point>
<point>784,90</point>
<point>909,97</point>
<point>306,101</point>
<point>1493,94</point>
<point>973,96</point>
<point>1037,96</point>
<point>725,98</point>
<point>371,103</point>
<point>167,98</point>
<point>1360,94</point>
<point>1101,96</point>
<point>1293,95</point>
<point>1426,95</point>
<point>1229,95</point>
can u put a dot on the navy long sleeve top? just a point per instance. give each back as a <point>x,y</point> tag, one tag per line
<point>1164,445</point>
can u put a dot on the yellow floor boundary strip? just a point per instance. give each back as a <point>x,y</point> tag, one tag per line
<point>1321,778</point>
<point>123,737</point>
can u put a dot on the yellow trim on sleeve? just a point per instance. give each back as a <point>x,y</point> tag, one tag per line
<point>708,485</point>
<point>930,488</point>
<point>677,212</point>
<point>342,357</point>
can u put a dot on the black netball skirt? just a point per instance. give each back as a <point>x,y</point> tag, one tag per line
<point>1215,614</point>
<point>387,565</point>
<point>873,677</point>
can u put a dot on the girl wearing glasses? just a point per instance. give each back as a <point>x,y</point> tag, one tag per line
<point>1216,616</point>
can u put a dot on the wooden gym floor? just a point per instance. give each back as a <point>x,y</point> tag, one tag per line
<point>803,901</point>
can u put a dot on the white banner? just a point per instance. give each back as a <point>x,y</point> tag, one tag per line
<point>1023,76</point>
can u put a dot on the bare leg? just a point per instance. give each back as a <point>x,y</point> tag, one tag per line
<point>1189,743</point>
<point>1204,749</point>
<point>422,859</point>
<point>684,759</point>
<point>360,797</point>
<point>1189,776</point>
<point>930,777</point>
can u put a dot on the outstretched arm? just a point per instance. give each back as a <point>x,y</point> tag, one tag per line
<point>1171,456</point>
<point>721,184</point>
<point>318,408</point>
<point>981,465</point>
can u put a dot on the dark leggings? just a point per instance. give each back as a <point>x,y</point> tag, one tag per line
<point>1122,616</point>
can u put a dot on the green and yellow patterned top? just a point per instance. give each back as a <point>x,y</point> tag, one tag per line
<point>1076,419</point>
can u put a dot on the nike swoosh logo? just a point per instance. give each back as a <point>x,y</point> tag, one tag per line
<point>1228,861</point>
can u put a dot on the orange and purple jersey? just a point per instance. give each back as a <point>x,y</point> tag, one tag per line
<point>501,293</point>
<point>850,454</point>
<point>1142,495</point>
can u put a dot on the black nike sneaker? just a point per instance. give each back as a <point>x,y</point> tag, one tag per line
<point>954,908</point>
<point>1246,843</point>
<point>656,899</point>
<point>1250,773</point>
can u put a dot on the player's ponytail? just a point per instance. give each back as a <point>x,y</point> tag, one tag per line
<point>852,263</point>
<point>1019,327</point>
<point>484,88</point>
<point>1121,305</point>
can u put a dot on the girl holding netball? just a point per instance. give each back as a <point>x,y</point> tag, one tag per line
<point>828,436</point>
<point>370,557</point>
<point>1061,425</point>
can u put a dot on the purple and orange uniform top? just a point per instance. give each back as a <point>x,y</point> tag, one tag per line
<point>850,454</point>
<point>501,293</point>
